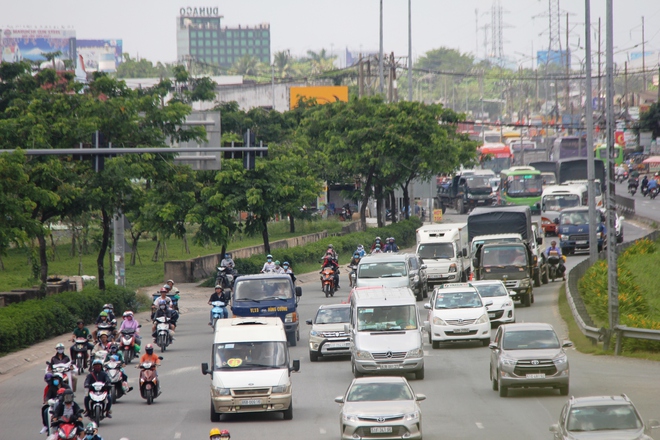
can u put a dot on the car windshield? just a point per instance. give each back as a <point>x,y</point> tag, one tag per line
<point>603,418</point>
<point>491,290</point>
<point>250,355</point>
<point>530,340</point>
<point>382,270</point>
<point>262,289</point>
<point>458,300</point>
<point>574,218</point>
<point>549,178</point>
<point>332,316</point>
<point>477,181</point>
<point>476,243</point>
<point>378,392</point>
<point>558,202</point>
<point>505,256</point>
<point>436,250</point>
<point>384,318</point>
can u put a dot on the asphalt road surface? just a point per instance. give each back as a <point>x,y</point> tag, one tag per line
<point>460,403</point>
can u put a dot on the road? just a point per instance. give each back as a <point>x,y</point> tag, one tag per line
<point>460,404</point>
<point>644,206</point>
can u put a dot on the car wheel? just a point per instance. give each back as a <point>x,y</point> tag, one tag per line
<point>485,342</point>
<point>291,339</point>
<point>545,277</point>
<point>215,417</point>
<point>288,413</point>
<point>563,390</point>
<point>504,391</point>
<point>435,344</point>
<point>430,339</point>
<point>426,290</point>
<point>460,207</point>
<point>419,375</point>
<point>526,300</point>
<point>537,278</point>
<point>356,373</point>
<point>313,356</point>
<point>493,381</point>
<point>532,300</point>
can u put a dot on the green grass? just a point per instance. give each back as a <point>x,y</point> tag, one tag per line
<point>18,273</point>
<point>580,342</point>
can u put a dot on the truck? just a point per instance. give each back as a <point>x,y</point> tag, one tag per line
<point>576,169</point>
<point>444,249</point>
<point>268,295</point>
<point>573,230</point>
<point>508,224</point>
<point>466,191</point>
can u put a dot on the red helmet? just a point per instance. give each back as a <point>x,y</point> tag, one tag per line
<point>164,290</point>
<point>225,434</point>
<point>61,391</point>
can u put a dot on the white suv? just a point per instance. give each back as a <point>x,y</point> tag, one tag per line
<point>502,311</point>
<point>457,313</point>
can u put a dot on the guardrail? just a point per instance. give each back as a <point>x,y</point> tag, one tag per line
<point>624,205</point>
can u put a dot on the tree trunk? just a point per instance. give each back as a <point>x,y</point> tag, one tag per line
<point>394,207</point>
<point>378,195</point>
<point>154,257</point>
<point>292,224</point>
<point>2,265</point>
<point>406,200</point>
<point>134,247</point>
<point>52,245</point>
<point>365,202</point>
<point>186,248</point>
<point>264,233</point>
<point>43,258</point>
<point>105,224</point>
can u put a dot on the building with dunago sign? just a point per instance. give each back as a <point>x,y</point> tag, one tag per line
<point>201,37</point>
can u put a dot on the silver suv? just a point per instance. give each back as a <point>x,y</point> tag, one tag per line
<point>613,417</point>
<point>528,355</point>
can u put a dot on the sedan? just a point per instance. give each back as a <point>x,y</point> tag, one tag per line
<point>382,407</point>
<point>502,311</point>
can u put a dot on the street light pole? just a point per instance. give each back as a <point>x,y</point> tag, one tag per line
<point>380,54</point>
<point>589,118</point>
<point>410,86</point>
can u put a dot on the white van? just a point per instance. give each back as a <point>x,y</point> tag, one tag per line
<point>392,270</point>
<point>250,370</point>
<point>443,248</point>
<point>385,331</point>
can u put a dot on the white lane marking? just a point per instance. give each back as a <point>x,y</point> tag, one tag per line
<point>480,425</point>
<point>177,435</point>
<point>323,431</point>
<point>181,371</point>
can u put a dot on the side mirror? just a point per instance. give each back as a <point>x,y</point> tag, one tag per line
<point>492,346</point>
<point>464,253</point>
<point>140,326</point>
<point>296,365</point>
<point>420,397</point>
<point>554,428</point>
<point>427,306</point>
<point>339,399</point>
<point>488,304</point>
<point>539,240</point>
<point>423,266</point>
<point>567,344</point>
<point>298,291</point>
<point>556,221</point>
<point>205,368</point>
<point>308,322</point>
<point>160,357</point>
<point>543,207</point>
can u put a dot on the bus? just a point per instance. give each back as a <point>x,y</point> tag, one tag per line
<point>521,186</point>
<point>496,157</point>
<point>492,137</point>
<point>600,152</point>
<point>569,147</point>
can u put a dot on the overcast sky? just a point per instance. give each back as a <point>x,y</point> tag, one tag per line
<point>148,27</point>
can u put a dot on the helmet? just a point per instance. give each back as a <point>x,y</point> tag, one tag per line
<point>169,281</point>
<point>218,286</point>
<point>331,246</point>
<point>127,314</point>
<point>277,262</point>
<point>377,238</point>
<point>48,377</point>
<point>113,348</point>
<point>167,287</point>
<point>214,431</point>
<point>104,313</point>
<point>269,256</point>
<point>68,396</point>
<point>80,321</point>
<point>59,347</point>
<point>163,290</point>
<point>97,362</point>
<point>360,247</point>
<point>227,256</point>
<point>149,349</point>
<point>225,434</point>
<point>286,263</point>
<point>90,428</point>
<point>61,391</point>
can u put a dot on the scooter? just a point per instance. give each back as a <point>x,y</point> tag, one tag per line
<point>163,337</point>
<point>654,192</point>
<point>353,275</point>
<point>149,384</point>
<point>225,277</point>
<point>127,344</point>
<point>81,351</point>
<point>328,281</point>
<point>113,370</point>
<point>218,311</point>
<point>632,185</point>
<point>67,429</point>
<point>67,371</point>
<point>553,267</point>
<point>98,402</point>
<point>49,409</point>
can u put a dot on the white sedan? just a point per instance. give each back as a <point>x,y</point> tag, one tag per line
<point>502,311</point>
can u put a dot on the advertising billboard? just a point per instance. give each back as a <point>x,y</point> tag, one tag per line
<point>31,44</point>
<point>100,55</point>
<point>322,94</point>
<point>557,57</point>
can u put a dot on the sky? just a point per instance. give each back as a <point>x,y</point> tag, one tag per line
<point>148,27</point>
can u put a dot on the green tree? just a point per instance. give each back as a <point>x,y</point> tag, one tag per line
<point>650,120</point>
<point>143,68</point>
<point>248,65</point>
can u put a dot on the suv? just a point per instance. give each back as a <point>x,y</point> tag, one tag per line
<point>393,270</point>
<point>327,336</point>
<point>612,416</point>
<point>528,355</point>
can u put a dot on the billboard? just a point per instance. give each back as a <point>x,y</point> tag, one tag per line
<point>100,55</point>
<point>322,94</point>
<point>30,44</point>
<point>557,57</point>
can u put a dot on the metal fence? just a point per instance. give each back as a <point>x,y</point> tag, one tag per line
<point>624,205</point>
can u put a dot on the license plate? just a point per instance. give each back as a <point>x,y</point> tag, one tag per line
<point>491,315</point>
<point>435,276</point>
<point>339,345</point>
<point>535,376</point>
<point>381,429</point>
<point>251,402</point>
<point>581,242</point>
<point>389,366</point>
<point>462,330</point>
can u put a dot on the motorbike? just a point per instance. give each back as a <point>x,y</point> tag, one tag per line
<point>328,281</point>
<point>632,185</point>
<point>346,215</point>
<point>105,328</point>
<point>163,337</point>
<point>645,191</point>
<point>67,371</point>
<point>127,344</point>
<point>353,274</point>
<point>553,267</point>
<point>49,409</point>
<point>654,192</point>
<point>149,385</point>
<point>118,388</point>
<point>98,402</point>
<point>67,429</point>
<point>225,277</point>
<point>81,353</point>
<point>217,311</point>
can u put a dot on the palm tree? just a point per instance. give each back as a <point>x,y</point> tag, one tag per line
<point>248,66</point>
<point>282,62</point>
<point>321,62</point>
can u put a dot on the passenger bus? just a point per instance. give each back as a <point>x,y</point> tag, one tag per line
<point>496,157</point>
<point>492,137</point>
<point>569,147</point>
<point>521,186</point>
<point>600,152</point>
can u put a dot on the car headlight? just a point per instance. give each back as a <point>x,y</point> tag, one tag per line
<point>483,319</point>
<point>438,321</point>
<point>524,283</point>
<point>281,389</point>
<point>411,416</point>
<point>349,418</point>
<point>469,196</point>
<point>507,304</point>
<point>452,268</point>
<point>221,391</point>
<point>509,362</point>
<point>314,333</point>
<point>415,353</point>
<point>563,237</point>
<point>363,355</point>
<point>560,359</point>
<point>291,317</point>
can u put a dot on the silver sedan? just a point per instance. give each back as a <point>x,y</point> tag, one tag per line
<point>381,407</point>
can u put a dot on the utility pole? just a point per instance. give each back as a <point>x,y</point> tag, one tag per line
<point>380,53</point>
<point>369,76</point>
<point>410,86</point>
<point>625,85</point>
<point>568,73</point>
<point>644,56</point>
<point>612,279</point>
<point>119,251</point>
<point>360,78</point>
<point>272,83</point>
<point>390,81</point>
<point>599,64</point>
<point>589,119</point>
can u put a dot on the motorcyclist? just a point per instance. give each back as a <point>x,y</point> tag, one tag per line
<point>129,323</point>
<point>103,318</point>
<point>219,295</point>
<point>98,375</point>
<point>174,315</point>
<point>645,183</point>
<point>391,245</point>
<point>228,262</point>
<point>554,249</point>
<point>101,345</point>
<point>653,184</point>
<point>269,266</point>
<point>278,267</point>
<point>110,314</point>
<point>377,250</point>
<point>377,242</point>
<point>80,332</point>
<point>361,251</point>
<point>286,268</point>
<point>354,262</point>
<point>152,358</point>
<point>67,410</point>
<point>331,250</point>
<point>329,261</point>
<point>161,311</point>
<point>60,357</point>
<point>55,387</point>
<point>116,355</point>
<point>92,432</point>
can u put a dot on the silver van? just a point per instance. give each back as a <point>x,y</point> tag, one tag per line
<point>393,270</point>
<point>386,332</point>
